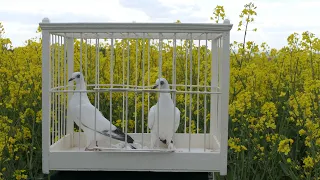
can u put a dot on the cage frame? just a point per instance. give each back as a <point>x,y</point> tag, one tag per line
<point>201,162</point>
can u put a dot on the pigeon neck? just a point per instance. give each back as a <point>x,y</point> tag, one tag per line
<point>165,95</point>
<point>81,86</point>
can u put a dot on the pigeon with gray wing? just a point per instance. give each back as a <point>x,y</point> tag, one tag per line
<point>89,113</point>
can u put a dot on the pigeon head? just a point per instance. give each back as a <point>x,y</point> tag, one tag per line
<point>162,83</point>
<point>77,77</point>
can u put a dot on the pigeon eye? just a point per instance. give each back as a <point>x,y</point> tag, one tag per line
<point>161,82</point>
<point>78,76</point>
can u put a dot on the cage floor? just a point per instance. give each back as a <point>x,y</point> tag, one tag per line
<point>177,150</point>
<point>182,143</point>
<point>65,155</point>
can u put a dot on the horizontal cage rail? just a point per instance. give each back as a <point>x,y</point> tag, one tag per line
<point>135,27</point>
<point>134,90</point>
<point>144,35</point>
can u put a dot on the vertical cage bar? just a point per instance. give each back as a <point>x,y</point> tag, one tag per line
<point>123,82</point>
<point>148,78</point>
<point>190,95</point>
<point>160,74</point>
<point>52,85</point>
<point>135,94</point>
<point>96,101</point>
<point>70,59</point>
<point>174,85</point>
<point>185,89</point>
<point>111,82</point>
<point>59,84</point>
<point>64,83</point>
<point>80,123</point>
<point>225,80</point>
<point>98,68</point>
<point>56,62</point>
<point>86,61</point>
<point>198,83</point>
<point>128,83</point>
<point>205,95</point>
<point>142,98</point>
<point>45,99</point>
<point>55,84</point>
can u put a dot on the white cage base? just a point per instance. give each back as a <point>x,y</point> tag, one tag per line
<point>63,156</point>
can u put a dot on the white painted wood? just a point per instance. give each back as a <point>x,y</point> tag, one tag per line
<point>214,97</point>
<point>135,27</point>
<point>63,158</point>
<point>225,78</point>
<point>45,98</point>
<point>70,58</point>
<point>196,36</point>
<point>181,141</point>
<point>220,58</point>
<point>138,161</point>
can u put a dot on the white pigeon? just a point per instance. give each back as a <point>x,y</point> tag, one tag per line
<point>88,114</point>
<point>166,117</point>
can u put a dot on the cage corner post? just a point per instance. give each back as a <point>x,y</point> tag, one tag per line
<point>70,64</point>
<point>45,98</point>
<point>225,83</point>
<point>213,97</point>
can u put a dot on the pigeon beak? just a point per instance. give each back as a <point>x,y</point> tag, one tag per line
<point>71,79</point>
<point>155,86</point>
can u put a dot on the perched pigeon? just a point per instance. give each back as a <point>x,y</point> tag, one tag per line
<point>166,116</point>
<point>88,115</point>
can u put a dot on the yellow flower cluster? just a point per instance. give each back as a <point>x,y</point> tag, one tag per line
<point>274,96</point>
<point>234,144</point>
<point>284,146</point>
<point>20,108</point>
<point>20,175</point>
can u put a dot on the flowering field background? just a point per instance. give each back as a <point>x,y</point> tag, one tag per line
<point>274,125</point>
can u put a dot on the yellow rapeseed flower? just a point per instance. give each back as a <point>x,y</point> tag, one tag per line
<point>268,139</point>
<point>302,132</point>
<point>262,149</point>
<point>318,142</point>
<point>233,144</point>
<point>243,147</point>
<point>18,177</point>
<point>11,140</point>
<point>308,162</point>
<point>284,146</point>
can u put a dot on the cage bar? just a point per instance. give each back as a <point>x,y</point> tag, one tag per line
<point>111,82</point>
<point>70,59</point>
<point>174,85</point>
<point>142,98</point>
<point>190,95</point>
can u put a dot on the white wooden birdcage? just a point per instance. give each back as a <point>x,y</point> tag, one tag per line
<point>107,55</point>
